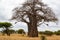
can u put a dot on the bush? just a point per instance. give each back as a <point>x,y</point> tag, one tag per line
<point>57,32</point>
<point>20,31</point>
<point>12,31</point>
<point>9,32</point>
<point>49,33</point>
<point>41,32</point>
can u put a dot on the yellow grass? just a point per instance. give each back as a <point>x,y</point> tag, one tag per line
<point>21,37</point>
<point>54,37</point>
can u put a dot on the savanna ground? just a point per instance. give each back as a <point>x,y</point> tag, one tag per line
<point>24,37</point>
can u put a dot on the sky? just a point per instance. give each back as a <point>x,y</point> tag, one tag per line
<point>6,7</point>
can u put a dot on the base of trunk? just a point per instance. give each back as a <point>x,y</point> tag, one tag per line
<point>32,35</point>
<point>32,31</point>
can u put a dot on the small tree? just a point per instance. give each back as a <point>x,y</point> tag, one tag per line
<point>20,31</point>
<point>5,26</point>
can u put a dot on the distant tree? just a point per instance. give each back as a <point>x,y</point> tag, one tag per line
<point>41,32</point>
<point>20,31</point>
<point>32,13</point>
<point>57,32</point>
<point>49,33</point>
<point>12,31</point>
<point>5,26</point>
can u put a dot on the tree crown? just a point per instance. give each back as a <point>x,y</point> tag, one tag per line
<point>5,24</point>
<point>32,8</point>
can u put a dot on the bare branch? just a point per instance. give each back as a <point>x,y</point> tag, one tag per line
<point>30,9</point>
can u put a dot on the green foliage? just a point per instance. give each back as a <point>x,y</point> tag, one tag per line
<point>41,32</point>
<point>20,31</point>
<point>5,24</point>
<point>57,32</point>
<point>12,31</point>
<point>48,33</point>
<point>1,24</point>
<point>9,31</point>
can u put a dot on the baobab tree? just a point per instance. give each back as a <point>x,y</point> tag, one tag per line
<point>32,13</point>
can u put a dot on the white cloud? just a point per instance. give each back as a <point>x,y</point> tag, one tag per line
<point>54,4</point>
<point>6,7</point>
<point>20,25</point>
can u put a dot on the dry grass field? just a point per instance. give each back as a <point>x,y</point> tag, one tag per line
<point>21,37</point>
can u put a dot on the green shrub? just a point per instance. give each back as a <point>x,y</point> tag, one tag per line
<point>41,32</point>
<point>49,33</point>
<point>12,31</point>
<point>57,32</point>
<point>20,31</point>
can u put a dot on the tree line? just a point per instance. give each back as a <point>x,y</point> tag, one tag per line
<point>50,33</point>
<point>7,30</point>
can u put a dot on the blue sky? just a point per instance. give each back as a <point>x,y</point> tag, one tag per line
<point>6,7</point>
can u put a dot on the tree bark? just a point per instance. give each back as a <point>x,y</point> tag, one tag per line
<point>32,27</point>
<point>32,31</point>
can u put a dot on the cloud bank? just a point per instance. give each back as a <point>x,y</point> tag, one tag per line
<point>6,7</point>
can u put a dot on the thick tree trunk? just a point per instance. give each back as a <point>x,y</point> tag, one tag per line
<point>32,31</point>
<point>32,26</point>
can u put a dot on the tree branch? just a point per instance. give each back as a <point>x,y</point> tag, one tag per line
<point>24,20</point>
<point>40,23</point>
